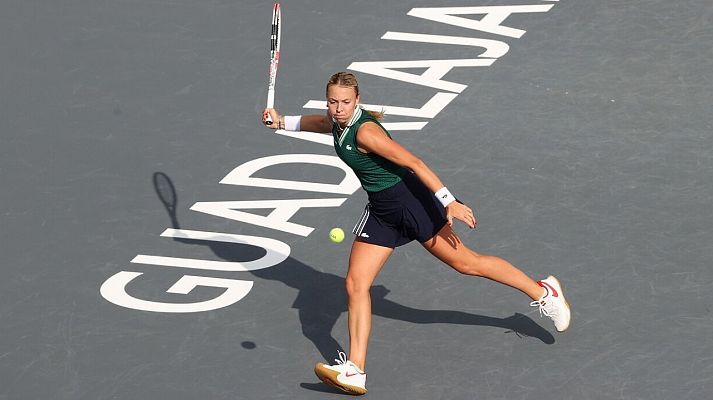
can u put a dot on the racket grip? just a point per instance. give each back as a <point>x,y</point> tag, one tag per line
<point>270,104</point>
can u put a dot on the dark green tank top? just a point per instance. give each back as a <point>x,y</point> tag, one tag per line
<point>374,172</point>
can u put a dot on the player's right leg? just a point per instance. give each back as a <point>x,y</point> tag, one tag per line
<point>365,262</point>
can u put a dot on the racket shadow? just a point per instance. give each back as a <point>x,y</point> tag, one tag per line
<point>321,299</point>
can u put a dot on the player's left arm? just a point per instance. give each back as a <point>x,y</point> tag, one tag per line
<point>372,139</point>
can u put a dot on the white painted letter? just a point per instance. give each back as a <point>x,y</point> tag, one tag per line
<point>114,290</point>
<point>276,252</point>
<point>435,70</point>
<point>242,175</point>
<point>493,48</point>
<point>494,16</point>
<point>277,219</point>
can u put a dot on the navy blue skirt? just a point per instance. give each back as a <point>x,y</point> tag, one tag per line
<point>397,215</point>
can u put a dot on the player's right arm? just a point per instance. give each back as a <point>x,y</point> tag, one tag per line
<point>311,123</point>
<point>316,123</point>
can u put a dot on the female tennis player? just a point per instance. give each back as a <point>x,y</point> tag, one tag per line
<point>407,202</point>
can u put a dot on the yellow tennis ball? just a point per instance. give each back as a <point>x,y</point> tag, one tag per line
<point>336,235</point>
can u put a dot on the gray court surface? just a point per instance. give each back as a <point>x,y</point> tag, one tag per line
<point>586,150</point>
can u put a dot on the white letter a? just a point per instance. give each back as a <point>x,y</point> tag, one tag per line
<point>494,16</point>
<point>277,219</point>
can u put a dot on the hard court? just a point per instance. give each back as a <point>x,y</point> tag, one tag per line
<point>585,146</point>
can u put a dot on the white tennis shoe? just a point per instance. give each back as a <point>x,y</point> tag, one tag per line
<point>345,375</point>
<point>553,304</point>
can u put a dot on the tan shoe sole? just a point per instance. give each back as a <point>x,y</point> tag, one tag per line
<point>329,377</point>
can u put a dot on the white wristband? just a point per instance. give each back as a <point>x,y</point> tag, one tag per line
<point>445,196</point>
<point>292,122</point>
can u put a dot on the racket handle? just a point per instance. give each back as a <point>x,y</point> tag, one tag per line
<point>270,104</point>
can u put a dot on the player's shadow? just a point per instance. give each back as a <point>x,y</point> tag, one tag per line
<point>321,298</point>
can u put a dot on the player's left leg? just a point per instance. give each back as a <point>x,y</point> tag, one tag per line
<point>447,247</point>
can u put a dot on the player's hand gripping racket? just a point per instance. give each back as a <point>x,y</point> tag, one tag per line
<point>274,58</point>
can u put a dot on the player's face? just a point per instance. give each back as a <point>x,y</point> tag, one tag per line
<point>341,102</point>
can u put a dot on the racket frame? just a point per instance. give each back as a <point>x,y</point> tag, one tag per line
<point>275,34</point>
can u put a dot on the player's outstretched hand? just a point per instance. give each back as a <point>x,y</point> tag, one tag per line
<point>273,115</point>
<point>462,212</point>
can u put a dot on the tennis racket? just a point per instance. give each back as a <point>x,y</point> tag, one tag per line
<point>274,58</point>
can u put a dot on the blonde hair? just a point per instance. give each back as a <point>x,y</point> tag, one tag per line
<point>347,79</point>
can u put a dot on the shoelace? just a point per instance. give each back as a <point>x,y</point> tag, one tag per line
<point>545,308</point>
<point>342,360</point>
